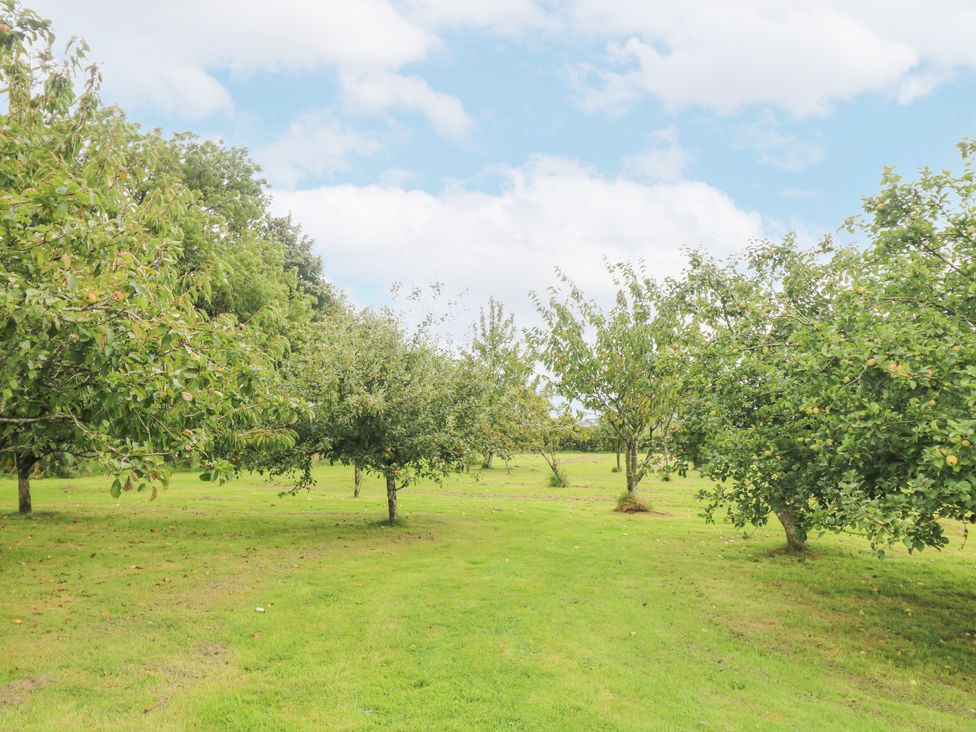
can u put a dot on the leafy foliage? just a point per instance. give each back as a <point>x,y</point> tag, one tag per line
<point>838,393</point>
<point>106,356</point>
<point>756,405</point>
<point>503,364</point>
<point>389,403</point>
<point>901,352</point>
<point>622,363</point>
<point>550,434</point>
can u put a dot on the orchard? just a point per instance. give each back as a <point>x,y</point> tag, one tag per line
<point>725,486</point>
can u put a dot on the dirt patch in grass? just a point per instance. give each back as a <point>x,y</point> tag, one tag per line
<point>19,690</point>
<point>198,664</point>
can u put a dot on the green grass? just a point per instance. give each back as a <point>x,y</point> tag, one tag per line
<point>499,604</point>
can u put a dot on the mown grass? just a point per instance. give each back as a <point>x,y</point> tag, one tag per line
<point>500,603</point>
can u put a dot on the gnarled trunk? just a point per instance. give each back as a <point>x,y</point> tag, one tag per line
<point>488,461</point>
<point>357,477</point>
<point>391,497</point>
<point>25,464</point>
<point>796,535</point>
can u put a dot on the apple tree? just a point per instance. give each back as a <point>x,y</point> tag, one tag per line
<point>550,431</point>
<point>756,404</point>
<point>508,382</point>
<point>901,352</point>
<point>375,397</point>
<point>840,395</point>
<point>622,362</point>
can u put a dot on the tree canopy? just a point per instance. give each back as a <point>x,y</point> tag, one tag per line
<point>377,398</point>
<point>620,362</point>
<point>500,361</point>
<point>110,356</point>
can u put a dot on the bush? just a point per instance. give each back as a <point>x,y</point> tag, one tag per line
<point>630,503</point>
<point>558,479</point>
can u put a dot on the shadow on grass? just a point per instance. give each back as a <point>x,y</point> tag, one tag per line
<point>304,528</point>
<point>904,609</point>
<point>35,516</point>
<point>784,553</point>
<point>400,524</point>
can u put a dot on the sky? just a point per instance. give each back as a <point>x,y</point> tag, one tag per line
<point>481,144</point>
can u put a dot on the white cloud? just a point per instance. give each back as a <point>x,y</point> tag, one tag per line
<point>503,17</point>
<point>314,145</point>
<point>663,159</point>
<point>169,85</point>
<point>375,92</point>
<point>917,85</point>
<point>794,55</point>
<point>726,56</point>
<point>799,56</point>
<point>776,148</point>
<point>550,212</point>
<point>163,54</point>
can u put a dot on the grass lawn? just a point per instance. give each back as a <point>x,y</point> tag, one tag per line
<point>499,604</point>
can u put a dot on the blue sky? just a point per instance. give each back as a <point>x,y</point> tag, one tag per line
<point>481,144</point>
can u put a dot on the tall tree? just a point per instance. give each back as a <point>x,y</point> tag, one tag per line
<point>621,362</point>
<point>299,258</point>
<point>390,403</point>
<point>837,387</point>
<point>899,362</point>
<point>236,259</point>
<point>755,408</point>
<point>105,355</point>
<point>508,381</point>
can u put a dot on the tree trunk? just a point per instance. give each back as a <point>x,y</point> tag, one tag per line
<point>618,458</point>
<point>488,460</point>
<point>552,460</point>
<point>796,535</point>
<point>391,497</point>
<point>630,458</point>
<point>357,477</point>
<point>25,463</point>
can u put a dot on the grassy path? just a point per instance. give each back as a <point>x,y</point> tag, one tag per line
<point>500,604</point>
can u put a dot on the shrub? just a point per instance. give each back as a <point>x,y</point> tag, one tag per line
<point>631,503</point>
<point>558,478</point>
